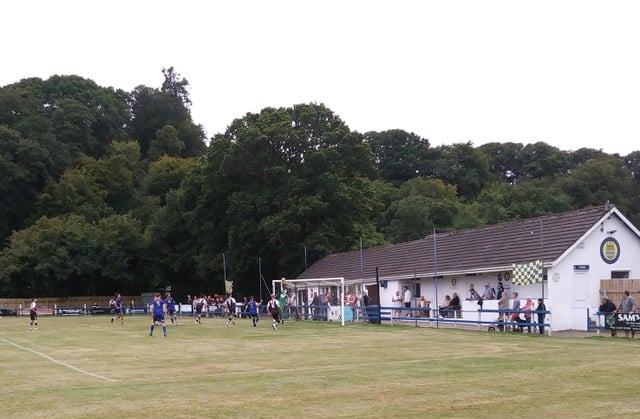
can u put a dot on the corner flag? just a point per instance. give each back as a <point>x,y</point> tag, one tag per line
<point>527,273</point>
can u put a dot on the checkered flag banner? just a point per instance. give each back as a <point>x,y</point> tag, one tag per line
<point>527,273</point>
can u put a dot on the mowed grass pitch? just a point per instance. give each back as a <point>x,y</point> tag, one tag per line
<point>81,367</point>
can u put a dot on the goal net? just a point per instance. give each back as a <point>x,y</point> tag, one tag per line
<point>316,298</point>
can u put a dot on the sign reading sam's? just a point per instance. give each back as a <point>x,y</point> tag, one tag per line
<point>627,321</point>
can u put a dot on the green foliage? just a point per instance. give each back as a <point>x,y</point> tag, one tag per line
<point>463,166</point>
<point>400,156</point>
<point>542,160</point>
<point>98,187</point>
<point>24,167</point>
<point>420,206</point>
<point>526,199</point>
<point>154,109</point>
<point>504,160</point>
<point>598,180</point>
<point>63,255</point>
<point>165,175</point>
<point>166,143</point>
<point>282,180</point>
<point>76,192</point>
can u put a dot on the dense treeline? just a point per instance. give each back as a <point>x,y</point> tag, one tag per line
<point>106,190</point>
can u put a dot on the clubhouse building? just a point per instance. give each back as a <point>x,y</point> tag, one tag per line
<point>585,254</point>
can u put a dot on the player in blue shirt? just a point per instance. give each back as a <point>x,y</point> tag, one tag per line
<point>253,307</point>
<point>117,307</point>
<point>171,307</point>
<point>158,309</point>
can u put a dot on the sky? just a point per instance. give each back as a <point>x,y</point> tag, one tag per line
<point>563,72</point>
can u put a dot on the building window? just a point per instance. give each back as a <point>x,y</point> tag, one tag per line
<point>619,274</point>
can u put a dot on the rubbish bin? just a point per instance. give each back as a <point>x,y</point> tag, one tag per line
<point>373,314</point>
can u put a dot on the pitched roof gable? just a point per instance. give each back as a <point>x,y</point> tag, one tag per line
<point>483,249</point>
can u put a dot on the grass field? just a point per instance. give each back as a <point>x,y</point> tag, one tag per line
<point>85,367</point>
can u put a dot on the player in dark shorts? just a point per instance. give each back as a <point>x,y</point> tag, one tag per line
<point>198,304</point>
<point>273,307</point>
<point>158,309</point>
<point>118,309</point>
<point>230,308</point>
<point>253,308</point>
<point>33,314</point>
<point>171,307</point>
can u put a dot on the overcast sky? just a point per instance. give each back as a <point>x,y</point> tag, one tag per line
<point>563,72</point>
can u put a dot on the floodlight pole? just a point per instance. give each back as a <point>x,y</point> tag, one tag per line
<point>342,301</point>
<point>435,274</point>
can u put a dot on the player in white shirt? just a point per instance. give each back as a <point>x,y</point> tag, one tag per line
<point>230,308</point>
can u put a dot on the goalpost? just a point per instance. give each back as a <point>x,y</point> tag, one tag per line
<point>313,285</point>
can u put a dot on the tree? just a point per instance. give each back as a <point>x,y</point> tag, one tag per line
<point>504,160</point>
<point>526,199</point>
<point>98,187</point>
<point>154,109</point>
<point>632,162</point>
<point>24,168</point>
<point>166,175</point>
<point>599,180</point>
<point>176,86</point>
<point>281,180</point>
<point>542,160</point>
<point>400,156</point>
<point>422,204</point>
<point>166,143</point>
<point>463,166</point>
<point>76,192</point>
<point>85,116</point>
<point>65,256</point>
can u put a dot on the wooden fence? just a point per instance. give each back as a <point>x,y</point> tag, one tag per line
<point>614,289</point>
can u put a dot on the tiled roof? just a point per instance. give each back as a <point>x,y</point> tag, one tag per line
<point>485,249</point>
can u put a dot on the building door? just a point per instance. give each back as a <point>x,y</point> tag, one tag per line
<point>374,294</point>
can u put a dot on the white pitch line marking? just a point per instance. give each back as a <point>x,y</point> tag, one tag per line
<point>64,364</point>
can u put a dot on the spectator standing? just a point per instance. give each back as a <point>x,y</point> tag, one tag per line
<point>541,307</point>
<point>515,310</point>
<point>324,306</point>
<point>293,306</point>
<point>628,305</point>
<point>397,303</point>
<point>407,299</point>
<point>503,307</point>
<point>608,308</point>
<point>488,293</point>
<point>500,290</point>
<point>315,302</point>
